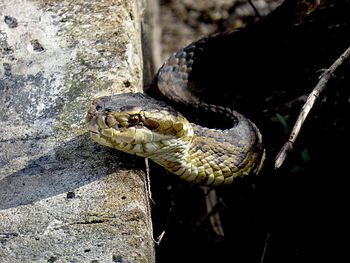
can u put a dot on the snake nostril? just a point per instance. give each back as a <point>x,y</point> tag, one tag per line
<point>98,107</point>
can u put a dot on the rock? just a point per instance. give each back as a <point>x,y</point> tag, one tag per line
<point>63,197</point>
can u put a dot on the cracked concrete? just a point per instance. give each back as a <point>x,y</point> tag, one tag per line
<point>63,197</point>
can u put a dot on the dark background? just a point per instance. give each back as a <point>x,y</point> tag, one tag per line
<point>295,214</point>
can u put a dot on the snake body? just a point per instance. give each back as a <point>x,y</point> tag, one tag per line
<point>137,124</point>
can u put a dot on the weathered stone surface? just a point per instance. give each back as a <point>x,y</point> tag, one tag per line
<point>63,197</point>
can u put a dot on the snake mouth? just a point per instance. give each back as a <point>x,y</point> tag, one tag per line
<point>91,123</point>
<point>99,130</point>
<point>93,132</point>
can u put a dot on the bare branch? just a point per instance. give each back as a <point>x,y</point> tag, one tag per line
<point>255,9</point>
<point>314,95</point>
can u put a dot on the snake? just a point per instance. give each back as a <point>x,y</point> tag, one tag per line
<point>139,124</point>
<point>157,126</point>
<point>136,123</point>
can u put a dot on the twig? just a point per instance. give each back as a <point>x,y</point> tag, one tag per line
<point>314,95</point>
<point>159,238</point>
<point>212,213</point>
<point>255,9</point>
<point>148,181</point>
<point>265,248</point>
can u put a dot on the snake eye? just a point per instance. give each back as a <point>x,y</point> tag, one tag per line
<point>134,119</point>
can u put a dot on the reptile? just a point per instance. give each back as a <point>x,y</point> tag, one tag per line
<point>151,126</point>
<point>137,124</point>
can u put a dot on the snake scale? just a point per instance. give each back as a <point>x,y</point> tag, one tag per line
<point>137,123</point>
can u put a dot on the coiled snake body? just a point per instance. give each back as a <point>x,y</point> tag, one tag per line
<point>138,124</point>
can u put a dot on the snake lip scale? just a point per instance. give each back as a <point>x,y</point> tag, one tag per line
<point>136,123</point>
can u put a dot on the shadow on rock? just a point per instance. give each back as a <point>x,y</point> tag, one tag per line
<point>71,165</point>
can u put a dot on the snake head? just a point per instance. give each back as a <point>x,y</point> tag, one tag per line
<point>137,124</point>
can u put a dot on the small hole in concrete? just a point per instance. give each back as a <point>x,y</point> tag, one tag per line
<point>118,259</point>
<point>70,195</point>
<point>127,83</point>
<point>36,45</point>
<point>52,259</point>
<point>10,21</point>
